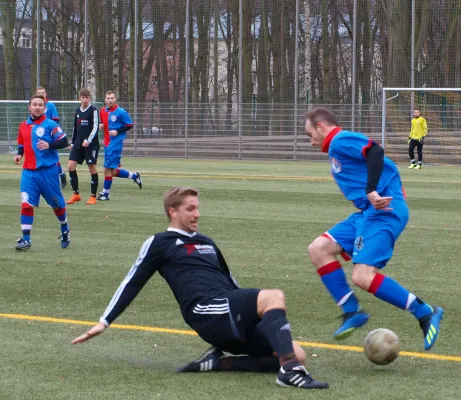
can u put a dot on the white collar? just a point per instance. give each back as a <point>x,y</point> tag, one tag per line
<point>182,232</point>
<point>89,105</point>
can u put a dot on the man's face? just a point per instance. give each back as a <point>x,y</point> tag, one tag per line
<point>186,216</point>
<point>110,100</point>
<point>84,101</point>
<point>416,113</point>
<point>316,133</point>
<point>41,92</point>
<point>37,108</point>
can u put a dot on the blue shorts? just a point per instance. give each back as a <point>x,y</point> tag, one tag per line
<point>112,156</point>
<point>369,236</point>
<point>43,181</point>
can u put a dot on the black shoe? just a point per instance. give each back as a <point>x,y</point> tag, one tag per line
<point>103,196</point>
<point>207,362</point>
<point>23,245</point>
<point>299,377</point>
<point>138,180</point>
<point>63,180</point>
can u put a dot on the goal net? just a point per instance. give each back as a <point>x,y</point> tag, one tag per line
<point>442,110</point>
<point>13,112</point>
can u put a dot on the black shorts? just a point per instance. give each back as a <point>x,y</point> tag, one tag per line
<point>230,322</point>
<point>88,154</point>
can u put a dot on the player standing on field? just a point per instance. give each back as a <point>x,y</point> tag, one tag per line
<point>84,146</point>
<point>372,182</point>
<point>39,138</point>
<point>52,113</point>
<point>116,122</point>
<point>232,319</point>
<point>418,133</point>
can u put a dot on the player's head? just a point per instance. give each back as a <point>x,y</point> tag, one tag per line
<point>181,206</point>
<point>37,106</point>
<point>416,112</point>
<point>319,123</point>
<point>84,95</point>
<point>110,99</point>
<point>41,91</point>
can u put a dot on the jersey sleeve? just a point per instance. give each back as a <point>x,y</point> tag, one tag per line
<point>74,132</point>
<point>149,259</point>
<point>20,139</point>
<point>225,267</point>
<point>424,127</point>
<point>57,133</point>
<point>54,112</point>
<point>95,127</point>
<point>352,145</point>
<point>126,119</point>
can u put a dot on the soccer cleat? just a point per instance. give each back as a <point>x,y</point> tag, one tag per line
<point>412,166</point>
<point>74,199</point>
<point>138,180</point>
<point>430,325</point>
<point>207,362</point>
<point>65,239</point>
<point>352,321</point>
<point>419,166</point>
<point>299,377</point>
<point>63,180</point>
<point>23,244</point>
<point>103,196</point>
<point>91,200</point>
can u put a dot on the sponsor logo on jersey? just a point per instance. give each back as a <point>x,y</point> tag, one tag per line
<point>200,248</point>
<point>335,165</point>
<point>84,122</point>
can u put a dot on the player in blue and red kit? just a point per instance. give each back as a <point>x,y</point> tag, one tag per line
<point>372,182</point>
<point>51,112</point>
<point>39,138</point>
<point>116,122</point>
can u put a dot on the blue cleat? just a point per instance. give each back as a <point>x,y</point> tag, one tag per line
<point>65,239</point>
<point>352,321</point>
<point>430,325</point>
<point>23,245</point>
<point>209,361</point>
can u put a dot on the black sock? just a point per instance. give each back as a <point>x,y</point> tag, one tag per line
<point>275,326</point>
<point>74,181</point>
<point>94,184</point>
<point>249,364</point>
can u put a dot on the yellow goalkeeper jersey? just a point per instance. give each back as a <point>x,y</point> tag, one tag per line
<point>418,128</point>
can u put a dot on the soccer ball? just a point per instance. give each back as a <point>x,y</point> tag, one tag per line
<point>381,346</point>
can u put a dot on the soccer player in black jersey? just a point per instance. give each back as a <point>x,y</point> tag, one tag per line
<point>85,146</point>
<point>234,320</point>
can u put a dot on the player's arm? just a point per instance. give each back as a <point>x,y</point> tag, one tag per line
<point>18,157</point>
<point>424,127</point>
<point>225,267</point>
<point>54,113</point>
<point>127,123</point>
<point>59,139</point>
<point>74,132</point>
<point>94,130</point>
<point>144,267</point>
<point>374,156</point>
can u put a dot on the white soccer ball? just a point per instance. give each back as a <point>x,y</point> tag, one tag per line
<point>381,346</point>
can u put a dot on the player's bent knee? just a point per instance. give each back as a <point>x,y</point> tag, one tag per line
<point>270,299</point>
<point>320,248</point>
<point>362,275</point>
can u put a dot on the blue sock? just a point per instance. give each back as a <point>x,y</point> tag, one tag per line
<point>123,173</point>
<point>334,279</point>
<point>107,184</point>
<point>27,219</point>
<point>62,217</point>
<point>390,291</point>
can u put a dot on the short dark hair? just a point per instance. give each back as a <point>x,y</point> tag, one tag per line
<point>111,92</point>
<point>321,114</point>
<point>174,197</point>
<point>36,96</point>
<point>84,92</point>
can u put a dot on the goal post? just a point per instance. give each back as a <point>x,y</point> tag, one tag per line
<point>441,107</point>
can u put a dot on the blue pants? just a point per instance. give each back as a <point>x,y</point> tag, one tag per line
<point>113,156</point>
<point>45,182</point>
<point>369,236</point>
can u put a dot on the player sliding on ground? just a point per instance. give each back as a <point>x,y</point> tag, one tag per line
<point>232,319</point>
<point>372,182</point>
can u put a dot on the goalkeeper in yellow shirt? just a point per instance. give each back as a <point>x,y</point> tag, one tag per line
<point>416,139</point>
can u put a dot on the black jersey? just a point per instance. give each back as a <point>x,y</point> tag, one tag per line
<point>192,265</point>
<point>86,125</point>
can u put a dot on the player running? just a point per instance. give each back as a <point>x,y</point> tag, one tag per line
<point>372,182</point>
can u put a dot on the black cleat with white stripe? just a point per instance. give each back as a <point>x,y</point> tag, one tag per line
<point>299,377</point>
<point>209,361</point>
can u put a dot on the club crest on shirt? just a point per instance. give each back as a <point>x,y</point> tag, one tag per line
<point>113,118</point>
<point>40,131</point>
<point>335,165</point>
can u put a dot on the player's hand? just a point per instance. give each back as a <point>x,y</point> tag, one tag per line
<point>378,202</point>
<point>42,145</point>
<point>101,127</point>
<point>113,132</point>
<point>421,140</point>
<point>85,143</point>
<point>409,140</point>
<point>17,159</point>
<point>94,331</point>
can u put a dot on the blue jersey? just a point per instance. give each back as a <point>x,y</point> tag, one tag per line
<point>346,152</point>
<point>114,118</point>
<point>51,112</point>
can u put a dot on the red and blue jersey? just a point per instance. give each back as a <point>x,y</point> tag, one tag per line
<point>51,112</point>
<point>30,132</point>
<point>113,119</point>
<point>347,155</point>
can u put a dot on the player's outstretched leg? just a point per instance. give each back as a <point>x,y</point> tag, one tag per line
<point>135,176</point>
<point>27,219</point>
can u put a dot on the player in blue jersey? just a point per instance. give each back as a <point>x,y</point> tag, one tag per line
<point>51,112</point>
<point>231,319</point>
<point>39,138</point>
<point>115,122</point>
<point>372,182</point>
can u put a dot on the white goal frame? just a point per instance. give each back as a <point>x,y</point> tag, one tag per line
<point>413,90</point>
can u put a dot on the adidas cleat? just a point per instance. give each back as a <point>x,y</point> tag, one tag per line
<point>352,321</point>
<point>207,362</point>
<point>103,196</point>
<point>23,245</point>
<point>138,180</point>
<point>65,239</point>
<point>299,377</point>
<point>430,325</point>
